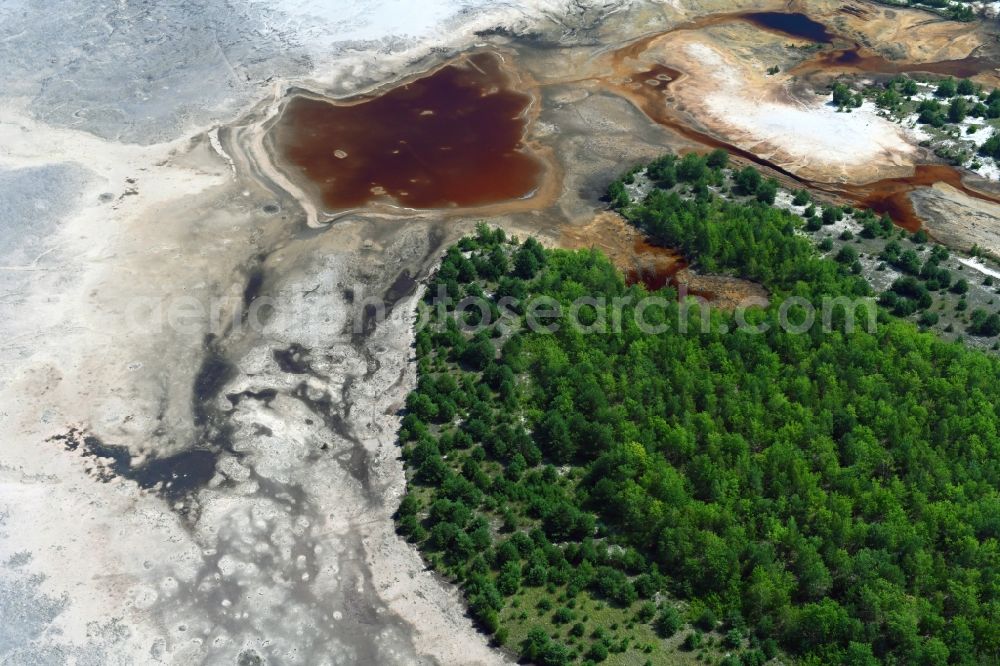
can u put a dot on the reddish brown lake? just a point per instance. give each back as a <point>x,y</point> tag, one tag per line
<point>454,138</point>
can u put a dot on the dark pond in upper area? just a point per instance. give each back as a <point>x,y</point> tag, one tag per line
<point>793,24</point>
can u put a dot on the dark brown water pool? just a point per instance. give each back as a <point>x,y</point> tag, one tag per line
<point>454,138</point>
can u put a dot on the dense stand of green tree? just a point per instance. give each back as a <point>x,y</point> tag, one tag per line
<point>834,494</point>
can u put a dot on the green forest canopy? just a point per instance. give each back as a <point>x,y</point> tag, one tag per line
<point>832,492</point>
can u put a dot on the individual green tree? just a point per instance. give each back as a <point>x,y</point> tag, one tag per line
<point>598,651</point>
<point>668,622</point>
<point>847,255</point>
<point>617,195</point>
<point>478,354</point>
<point>509,580</point>
<point>692,641</point>
<point>843,98</point>
<point>564,615</point>
<point>991,147</point>
<point>908,262</point>
<point>928,319</point>
<point>646,612</point>
<point>662,171</point>
<point>733,639</point>
<point>691,168</point>
<point>859,654</point>
<point>555,438</point>
<point>885,224</point>
<point>958,109</point>
<point>767,191</point>
<point>966,87</point>
<point>946,88</point>
<point>959,12</point>
<point>888,99</point>
<point>748,180</point>
<point>539,648</point>
<point>421,406</point>
<point>706,619</point>
<point>525,265</point>
<point>930,112</point>
<point>984,324</point>
<point>718,159</point>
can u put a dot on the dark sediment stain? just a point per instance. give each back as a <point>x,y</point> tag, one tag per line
<point>173,476</point>
<point>453,138</point>
<point>253,286</point>
<point>215,372</point>
<point>404,285</point>
<point>371,314</point>
<point>266,396</point>
<point>178,475</point>
<point>294,360</point>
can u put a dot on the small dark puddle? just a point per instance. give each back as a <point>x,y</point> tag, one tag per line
<point>179,474</point>
<point>452,138</point>
<point>792,24</point>
<point>294,360</point>
<point>266,396</point>
<point>654,265</point>
<point>402,286</point>
<point>214,373</point>
<point>252,289</point>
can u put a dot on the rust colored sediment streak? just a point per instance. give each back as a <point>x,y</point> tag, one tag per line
<point>891,195</point>
<point>453,138</point>
<point>856,59</point>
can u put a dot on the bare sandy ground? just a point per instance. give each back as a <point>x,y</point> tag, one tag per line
<point>958,220</point>
<point>904,34</point>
